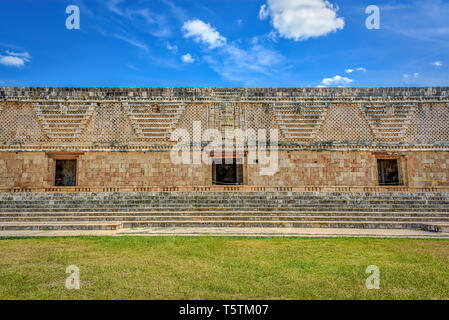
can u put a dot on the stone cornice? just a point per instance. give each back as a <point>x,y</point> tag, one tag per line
<point>219,94</point>
<point>166,148</point>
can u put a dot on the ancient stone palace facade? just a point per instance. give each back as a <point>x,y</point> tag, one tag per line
<point>113,139</point>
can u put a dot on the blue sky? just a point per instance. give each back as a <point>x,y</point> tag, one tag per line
<point>226,43</point>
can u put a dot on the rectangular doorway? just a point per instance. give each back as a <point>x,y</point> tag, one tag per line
<point>388,172</point>
<point>227,173</point>
<point>65,173</point>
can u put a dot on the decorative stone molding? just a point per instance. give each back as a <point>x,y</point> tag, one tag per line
<point>389,121</point>
<point>63,121</point>
<point>73,119</point>
<point>209,94</point>
<point>300,120</point>
<point>154,120</point>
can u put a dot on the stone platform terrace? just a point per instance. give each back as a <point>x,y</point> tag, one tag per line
<point>233,232</point>
<point>281,213</point>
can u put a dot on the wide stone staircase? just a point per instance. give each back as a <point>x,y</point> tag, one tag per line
<point>427,211</point>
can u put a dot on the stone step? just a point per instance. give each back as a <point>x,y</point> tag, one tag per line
<point>221,200</point>
<point>229,202</point>
<point>207,209</point>
<point>211,224</point>
<point>217,208</point>
<point>59,226</point>
<point>436,227</point>
<point>200,195</point>
<point>111,211</point>
<point>229,195</point>
<point>105,218</point>
<point>248,203</point>
<point>214,213</point>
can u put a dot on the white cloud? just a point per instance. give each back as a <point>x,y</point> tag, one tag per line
<point>173,48</point>
<point>302,19</point>
<point>154,22</point>
<point>132,42</point>
<point>247,65</point>
<point>272,36</point>
<point>357,69</point>
<point>407,76</point>
<point>131,66</point>
<point>187,58</point>
<point>438,64</point>
<point>263,12</point>
<point>203,32</point>
<point>10,61</point>
<point>336,81</point>
<point>25,55</point>
<point>15,59</point>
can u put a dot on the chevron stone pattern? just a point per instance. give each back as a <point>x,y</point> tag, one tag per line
<point>389,121</point>
<point>154,120</point>
<point>64,121</point>
<point>300,120</point>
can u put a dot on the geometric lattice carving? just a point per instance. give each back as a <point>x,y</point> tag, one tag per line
<point>300,120</point>
<point>345,123</point>
<point>154,120</point>
<point>389,121</point>
<point>63,121</point>
<point>430,123</point>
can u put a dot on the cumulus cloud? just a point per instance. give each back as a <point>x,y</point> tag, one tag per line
<point>187,58</point>
<point>336,81</point>
<point>203,32</point>
<point>15,59</point>
<point>438,64</point>
<point>302,19</point>
<point>356,69</point>
<point>234,61</point>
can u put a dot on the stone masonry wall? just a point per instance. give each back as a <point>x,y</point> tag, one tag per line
<point>305,168</point>
<point>296,168</point>
<point>23,169</point>
<point>121,136</point>
<point>119,169</point>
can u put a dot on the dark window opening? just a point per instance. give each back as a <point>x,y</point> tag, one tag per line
<point>388,171</point>
<point>227,173</point>
<point>65,175</point>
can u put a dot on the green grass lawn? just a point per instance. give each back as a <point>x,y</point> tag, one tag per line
<point>223,268</point>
